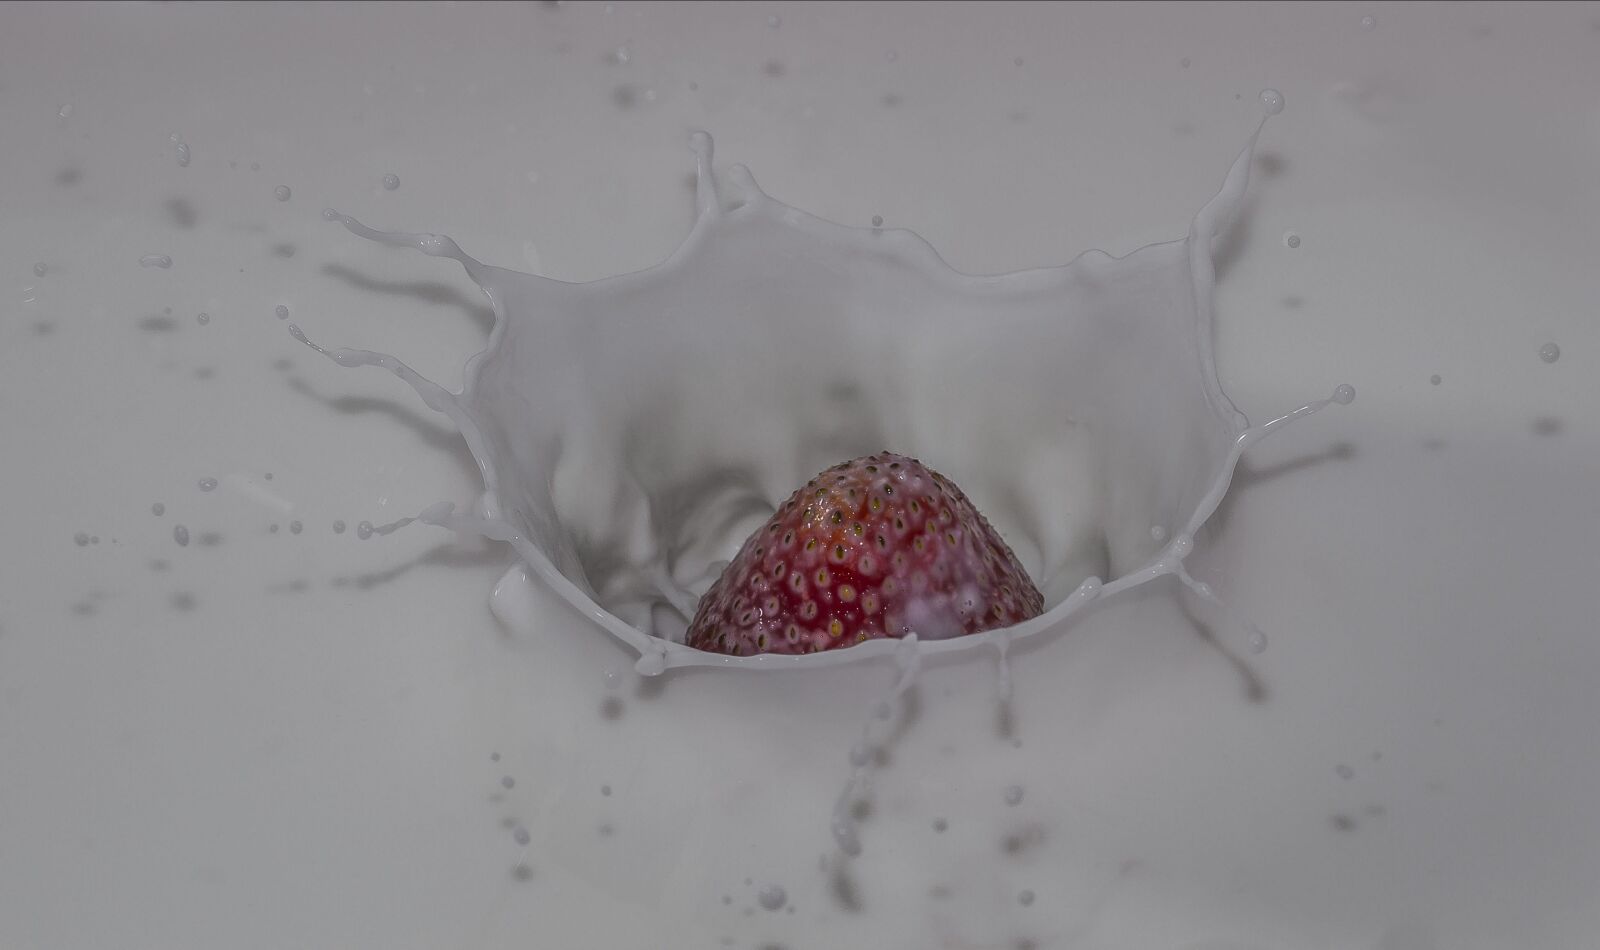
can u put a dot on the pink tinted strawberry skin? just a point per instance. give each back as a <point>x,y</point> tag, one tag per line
<point>880,546</point>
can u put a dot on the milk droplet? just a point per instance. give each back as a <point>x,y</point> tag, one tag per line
<point>158,509</point>
<point>1345,394</point>
<point>877,220</point>
<point>338,527</point>
<point>1158,532</point>
<point>1550,352</point>
<point>65,111</point>
<point>364,530</point>
<point>282,312</point>
<point>281,193</point>
<point>183,155</point>
<point>1184,62</point>
<point>391,181</point>
<point>1272,101</point>
<point>1436,379</point>
<point>507,782</point>
<point>1013,794</point>
<point>1025,898</point>
<point>296,527</point>
<point>939,825</point>
<point>81,538</point>
<point>155,260</point>
<point>40,269</point>
<point>1369,23</point>
<point>180,534</point>
<point>774,21</point>
<point>202,318</point>
<point>1291,239</point>
<point>1344,771</point>
<point>521,836</point>
<point>207,484</point>
<point>605,791</point>
<point>773,897</point>
<point>1258,641</point>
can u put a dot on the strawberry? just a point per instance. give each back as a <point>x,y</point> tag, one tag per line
<point>880,546</point>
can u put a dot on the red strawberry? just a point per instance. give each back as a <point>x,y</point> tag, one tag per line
<point>877,547</point>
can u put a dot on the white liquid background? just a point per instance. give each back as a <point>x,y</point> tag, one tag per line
<point>284,739</point>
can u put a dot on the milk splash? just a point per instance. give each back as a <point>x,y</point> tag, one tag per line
<point>632,431</point>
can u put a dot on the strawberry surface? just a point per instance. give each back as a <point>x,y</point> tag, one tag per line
<point>880,546</point>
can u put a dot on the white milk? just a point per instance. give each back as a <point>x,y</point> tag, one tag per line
<point>298,730</point>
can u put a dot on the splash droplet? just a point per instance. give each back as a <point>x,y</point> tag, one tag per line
<point>296,527</point>
<point>521,836</point>
<point>202,318</point>
<point>40,269</point>
<point>158,509</point>
<point>1344,771</point>
<point>1345,394</point>
<point>207,484</point>
<point>1436,379</point>
<point>391,181</point>
<point>877,220</point>
<point>81,539</point>
<point>182,151</point>
<point>1257,641</point>
<point>1369,23</point>
<point>1291,239</point>
<point>1013,795</point>
<point>774,21</point>
<point>180,534</point>
<point>155,260</point>
<point>282,193</point>
<point>1025,898</point>
<point>364,530</point>
<point>1550,352</point>
<point>507,782</point>
<point>1272,101</point>
<point>773,897</point>
<point>282,312</point>
<point>338,527</point>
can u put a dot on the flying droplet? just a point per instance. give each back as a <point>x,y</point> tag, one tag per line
<point>207,484</point>
<point>774,21</point>
<point>40,269</point>
<point>1436,379</point>
<point>183,154</point>
<point>180,534</point>
<point>391,181</point>
<point>338,527</point>
<point>1344,771</point>
<point>296,527</point>
<point>364,530</point>
<point>507,782</point>
<point>202,318</point>
<point>1369,23</point>
<point>1291,239</point>
<point>65,111</point>
<point>282,312</point>
<point>1258,641</point>
<point>1158,533</point>
<point>1272,101</point>
<point>773,897</point>
<point>158,509</point>
<point>1025,898</point>
<point>1345,394</point>
<point>81,539</point>
<point>1013,795</point>
<point>521,836</point>
<point>877,220</point>
<point>155,260</point>
<point>1550,352</point>
<point>281,193</point>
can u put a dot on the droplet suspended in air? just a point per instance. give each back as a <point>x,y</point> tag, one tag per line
<point>40,269</point>
<point>1550,352</point>
<point>282,193</point>
<point>207,484</point>
<point>156,260</point>
<point>282,312</point>
<point>1272,101</point>
<point>391,181</point>
<point>1369,23</point>
<point>182,150</point>
<point>202,318</point>
<point>1291,239</point>
<point>773,897</point>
